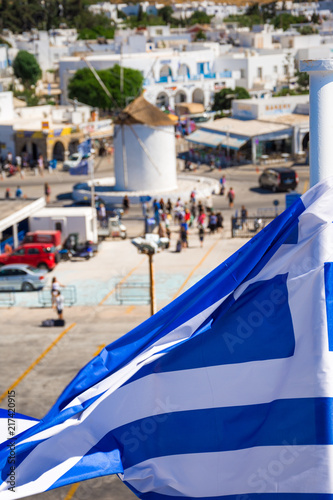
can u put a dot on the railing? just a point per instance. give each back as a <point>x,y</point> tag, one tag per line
<point>188,78</point>
<point>246,227</point>
<point>68,293</point>
<point>7,298</point>
<point>133,292</point>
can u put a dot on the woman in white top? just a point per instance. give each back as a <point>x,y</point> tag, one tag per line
<point>55,288</point>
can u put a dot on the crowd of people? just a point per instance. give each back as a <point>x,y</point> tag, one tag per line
<point>185,215</point>
<point>10,166</point>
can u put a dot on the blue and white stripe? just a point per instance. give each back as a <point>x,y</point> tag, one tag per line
<point>226,393</point>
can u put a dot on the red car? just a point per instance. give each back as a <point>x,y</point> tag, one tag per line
<point>39,255</point>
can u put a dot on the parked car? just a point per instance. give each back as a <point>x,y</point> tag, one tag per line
<point>39,255</point>
<point>74,160</point>
<point>278,179</point>
<point>21,277</point>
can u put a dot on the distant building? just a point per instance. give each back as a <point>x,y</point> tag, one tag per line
<point>54,132</point>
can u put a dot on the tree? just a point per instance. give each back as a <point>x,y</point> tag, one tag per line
<point>166,14</point>
<point>199,17</point>
<point>223,99</point>
<point>84,87</point>
<point>201,35</point>
<point>303,81</point>
<point>26,68</point>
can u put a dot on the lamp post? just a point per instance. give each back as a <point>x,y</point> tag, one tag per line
<point>149,245</point>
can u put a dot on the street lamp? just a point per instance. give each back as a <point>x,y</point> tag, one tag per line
<point>149,245</point>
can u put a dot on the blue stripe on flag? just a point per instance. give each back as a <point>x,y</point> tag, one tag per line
<point>285,422</point>
<point>256,326</point>
<point>328,273</point>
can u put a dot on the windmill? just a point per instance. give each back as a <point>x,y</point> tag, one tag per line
<point>144,142</point>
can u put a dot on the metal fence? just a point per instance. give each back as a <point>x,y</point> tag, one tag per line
<point>136,292</point>
<point>7,298</point>
<point>68,293</point>
<point>249,226</point>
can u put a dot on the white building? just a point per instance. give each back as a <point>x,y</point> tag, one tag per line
<point>170,76</point>
<point>47,47</point>
<point>258,70</point>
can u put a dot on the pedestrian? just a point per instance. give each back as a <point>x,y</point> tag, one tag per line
<point>201,218</point>
<point>55,288</point>
<point>7,195</point>
<point>102,214</point>
<point>126,203</point>
<point>231,197</point>
<point>40,163</point>
<point>47,192</point>
<point>9,157</point>
<point>219,224</point>
<point>59,304</point>
<point>183,234</point>
<point>243,215</point>
<point>19,192</point>
<point>201,234</point>
<point>222,185</point>
<point>169,206</point>
<point>18,161</point>
<point>212,222</point>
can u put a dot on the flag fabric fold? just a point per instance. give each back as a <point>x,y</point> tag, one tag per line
<point>227,392</point>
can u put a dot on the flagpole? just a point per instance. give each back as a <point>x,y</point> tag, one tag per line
<point>321,117</point>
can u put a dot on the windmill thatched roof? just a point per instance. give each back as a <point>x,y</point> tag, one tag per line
<point>141,111</point>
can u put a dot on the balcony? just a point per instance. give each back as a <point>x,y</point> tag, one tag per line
<point>181,78</point>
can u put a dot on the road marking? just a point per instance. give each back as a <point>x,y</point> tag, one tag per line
<point>121,281</point>
<point>72,490</point>
<point>195,268</point>
<point>305,188</point>
<point>129,309</point>
<point>100,348</point>
<point>35,363</point>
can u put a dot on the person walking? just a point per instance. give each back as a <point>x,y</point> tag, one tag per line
<point>55,288</point>
<point>59,304</point>
<point>40,163</point>
<point>19,192</point>
<point>201,234</point>
<point>126,203</point>
<point>18,161</point>
<point>47,192</point>
<point>222,185</point>
<point>231,197</point>
<point>243,216</point>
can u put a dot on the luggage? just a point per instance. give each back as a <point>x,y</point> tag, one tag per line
<point>179,246</point>
<point>59,322</point>
<point>48,322</point>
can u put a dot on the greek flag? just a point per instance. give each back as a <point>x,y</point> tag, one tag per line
<point>226,393</point>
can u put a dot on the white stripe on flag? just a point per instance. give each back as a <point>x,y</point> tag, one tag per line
<point>269,469</point>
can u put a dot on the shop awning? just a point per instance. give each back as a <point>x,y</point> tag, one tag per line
<point>213,140</point>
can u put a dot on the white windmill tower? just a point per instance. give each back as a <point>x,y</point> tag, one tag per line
<point>144,142</point>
